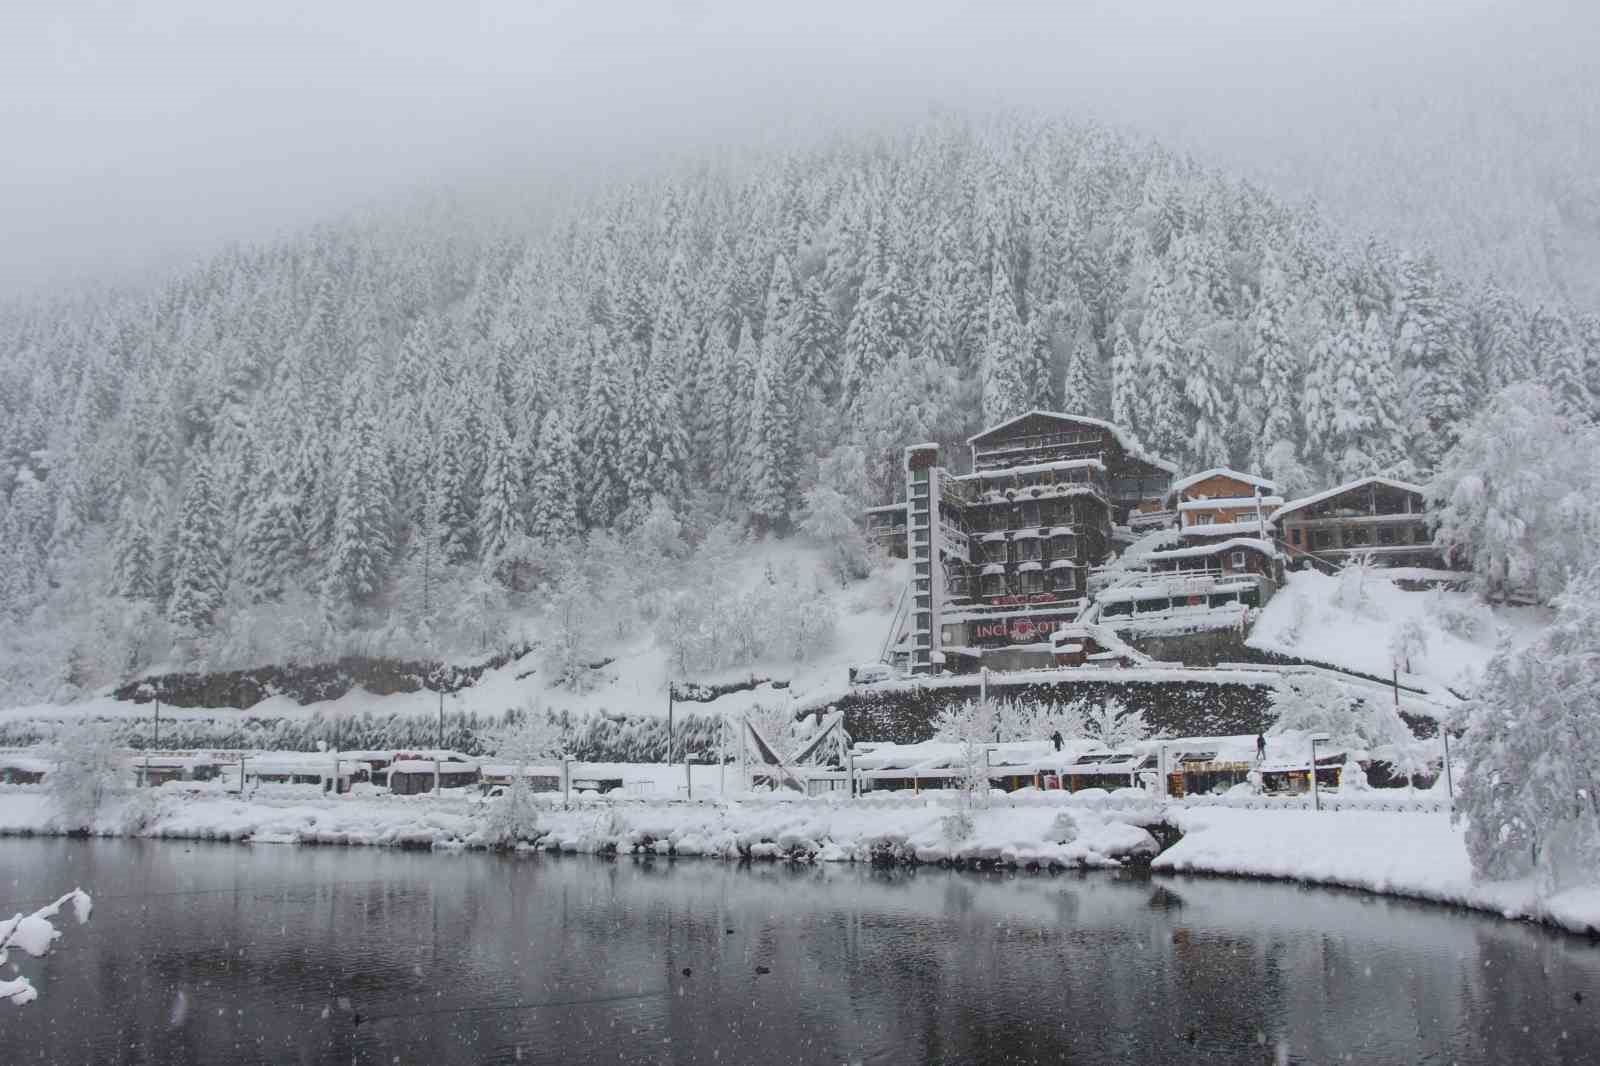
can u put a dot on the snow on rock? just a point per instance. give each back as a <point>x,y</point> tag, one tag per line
<point>1417,855</point>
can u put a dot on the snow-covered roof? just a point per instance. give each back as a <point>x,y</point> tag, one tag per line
<point>1172,585</point>
<point>1030,468</point>
<point>1252,543</point>
<point>1129,442</point>
<point>1207,503</point>
<point>1307,501</point>
<point>1028,567</point>
<point>1063,564</point>
<point>1221,471</point>
<point>421,766</point>
<point>1105,636</point>
<point>993,568</point>
<point>1226,529</point>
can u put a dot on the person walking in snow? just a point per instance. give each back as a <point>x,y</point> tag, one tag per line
<point>1261,748</point>
<point>1055,738</point>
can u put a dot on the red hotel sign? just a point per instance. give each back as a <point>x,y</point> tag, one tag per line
<point>1016,630</point>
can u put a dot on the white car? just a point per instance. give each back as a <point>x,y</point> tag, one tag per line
<point>871,673</point>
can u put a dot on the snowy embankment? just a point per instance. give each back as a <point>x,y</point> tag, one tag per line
<point>1354,621</point>
<point>1042,830</point>
<point>1418,855</point>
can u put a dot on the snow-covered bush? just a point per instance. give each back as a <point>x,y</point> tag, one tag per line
<point>1458,616</point>
<point>90,771</point>
<point>956,826</point>
<point>1064,829</point>
<point>529,738</point>
<point>1113,725</point>
<point>1408,643</point>
<point>1354,589</point>
<point>1311,703</point>
<point>1299,615</point>
<point>1530,787</point>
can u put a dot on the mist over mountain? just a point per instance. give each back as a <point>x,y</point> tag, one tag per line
<point>395,431</point>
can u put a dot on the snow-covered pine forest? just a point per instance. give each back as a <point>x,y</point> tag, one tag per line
<point>399,435</point>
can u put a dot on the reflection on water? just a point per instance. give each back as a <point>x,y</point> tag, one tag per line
<point>222,953</point>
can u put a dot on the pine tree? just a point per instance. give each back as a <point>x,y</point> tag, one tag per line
<point>875,335</point>
<point>1157,400</point>
<point>500,518</point>
<point>1082,391</point>
<point>769,445</point>
<point>1275,362</point>
<point>1125,377</point>
<point>553,486</point>
<point>272,539</point>
<point>1204,408</point>
<point>199,574</point>
<point>133,573</point>
<point>363,532</point>
<point>1441,376</point>
<point>1007,354</point>
<point>605,492</point>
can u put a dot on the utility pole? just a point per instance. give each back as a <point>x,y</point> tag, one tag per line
<point>670,693</point>
<point>438,780</point>
<point>1449,785</point>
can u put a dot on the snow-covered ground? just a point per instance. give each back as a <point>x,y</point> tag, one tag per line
<point>1041,829</point>
<point>1352,624</point>
<point>1420,855</point>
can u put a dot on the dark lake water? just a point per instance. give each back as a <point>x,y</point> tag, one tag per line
<point>242,954</point>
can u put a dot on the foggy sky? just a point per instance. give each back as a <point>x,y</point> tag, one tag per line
<point>138,135</point>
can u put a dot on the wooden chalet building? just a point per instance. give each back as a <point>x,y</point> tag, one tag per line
<point>1206,574</point>
<point>1000,555</point>
<point>1221,503</point>
<point>1376,516</point>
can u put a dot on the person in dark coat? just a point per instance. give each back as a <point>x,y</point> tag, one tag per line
<point>1055,738</point>
<point>1261,748</point>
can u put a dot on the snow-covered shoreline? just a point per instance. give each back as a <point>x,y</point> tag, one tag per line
<point>1416,855</point>
<point>894,828</point>
<point>1413,853</point>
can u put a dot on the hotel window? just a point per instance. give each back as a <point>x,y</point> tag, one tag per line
<point>1032,581</point>
<point>994,584</point>
<point>1030,514</point>
<point>1238,560</point>
<point>1027,549</point>
<point>1063,580</point>
<point>994,551</point>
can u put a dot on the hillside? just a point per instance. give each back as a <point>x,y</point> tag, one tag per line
<point>395,434</point>
<point>1356,621</point>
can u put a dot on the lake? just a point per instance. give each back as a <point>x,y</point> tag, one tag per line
<point>240,954</point>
